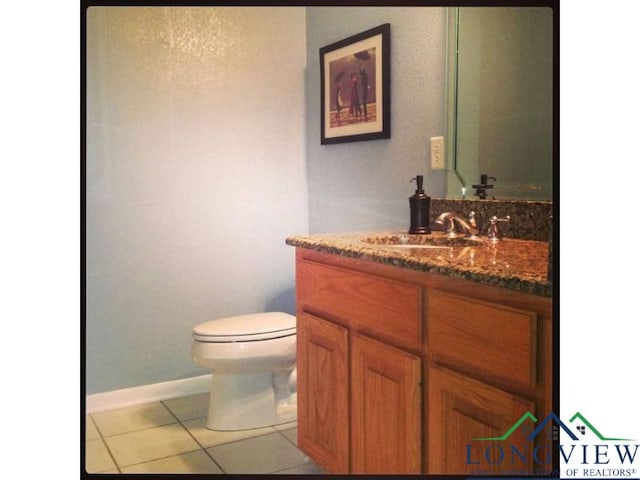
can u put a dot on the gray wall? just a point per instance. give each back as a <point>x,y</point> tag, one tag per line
<point>365,185</point>
<point>195,177</point>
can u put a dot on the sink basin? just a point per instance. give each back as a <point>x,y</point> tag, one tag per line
<point>421,241</point>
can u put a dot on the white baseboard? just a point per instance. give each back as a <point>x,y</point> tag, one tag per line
<point>127,397</point>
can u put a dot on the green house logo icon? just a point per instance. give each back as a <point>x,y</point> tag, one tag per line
<point>553,419</point>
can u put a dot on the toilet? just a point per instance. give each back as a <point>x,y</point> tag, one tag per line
<point>252,359</point>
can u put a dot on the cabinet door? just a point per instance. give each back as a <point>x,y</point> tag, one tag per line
<point>323,389</point>
<point>385,409</point>
<point>463,410</point>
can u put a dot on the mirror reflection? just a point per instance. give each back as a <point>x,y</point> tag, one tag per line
<point>501,101</point>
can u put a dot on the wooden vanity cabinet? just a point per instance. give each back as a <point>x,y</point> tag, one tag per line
<point>398,370</point>
<point>359,369</point>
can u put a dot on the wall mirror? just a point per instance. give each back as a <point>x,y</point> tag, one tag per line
<point>500,101</point>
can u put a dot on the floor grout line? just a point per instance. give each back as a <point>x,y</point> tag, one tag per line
<point>102,439</point>
<point>194,438</point>
<point>161,458</point>
<point>281,430</point>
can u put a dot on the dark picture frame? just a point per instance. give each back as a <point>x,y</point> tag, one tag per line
<point>355,102</point>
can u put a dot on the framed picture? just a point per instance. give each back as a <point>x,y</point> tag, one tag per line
<point>354,95</point>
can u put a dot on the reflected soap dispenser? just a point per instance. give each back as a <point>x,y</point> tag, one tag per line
<point>419,203</point>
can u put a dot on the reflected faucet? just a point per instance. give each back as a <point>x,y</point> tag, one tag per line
<point>481,189</point>
<point>449,219</point>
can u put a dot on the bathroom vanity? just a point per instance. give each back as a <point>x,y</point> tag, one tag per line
<point>410,356</point>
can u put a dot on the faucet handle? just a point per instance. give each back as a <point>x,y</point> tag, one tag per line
<point>492,233</point>
<point>472,219</point>
<point>473,225</point>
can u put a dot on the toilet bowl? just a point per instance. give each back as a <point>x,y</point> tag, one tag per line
<point>252,360</point>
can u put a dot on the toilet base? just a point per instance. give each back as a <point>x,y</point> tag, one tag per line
<point>248,401</point>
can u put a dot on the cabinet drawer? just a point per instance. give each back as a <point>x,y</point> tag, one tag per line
<point>378,306</point>
<point>486,337</point>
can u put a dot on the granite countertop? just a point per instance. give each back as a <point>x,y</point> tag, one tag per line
<point>520,265</point>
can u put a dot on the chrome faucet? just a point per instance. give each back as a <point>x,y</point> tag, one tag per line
<point>449,219</point>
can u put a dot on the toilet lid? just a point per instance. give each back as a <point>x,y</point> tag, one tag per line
<point>246,328</point>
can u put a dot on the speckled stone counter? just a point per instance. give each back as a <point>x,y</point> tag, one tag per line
<point>529,220</point>
<point>515,264</point>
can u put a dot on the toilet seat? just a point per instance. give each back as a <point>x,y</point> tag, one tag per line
<point>246,328</point>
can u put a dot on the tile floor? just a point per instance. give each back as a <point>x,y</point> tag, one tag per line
<point>171,437</point>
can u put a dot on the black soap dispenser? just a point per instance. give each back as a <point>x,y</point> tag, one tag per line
<point>419,203</point>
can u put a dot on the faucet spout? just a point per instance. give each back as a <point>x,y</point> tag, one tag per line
<point>466,228</point>
<point>450,219</point>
